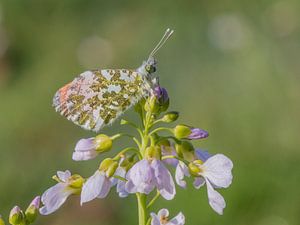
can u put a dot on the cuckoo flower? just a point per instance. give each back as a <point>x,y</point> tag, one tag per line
<point>146,174</point>
<point>55,196</point>
<point>190,133</point>
<point>215,171</point>
<point>89,148</point>
<point>99,185</point>
<point>162,218</point>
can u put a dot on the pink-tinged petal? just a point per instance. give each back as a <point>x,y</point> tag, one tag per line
<point>84,155</point>
<point>178,220</point>
<point>202,155</point>
<point>86,145</point>
<point>155,219</point>
<point>181,171</point>
<point>54,197</point>
<point>92,188</point>
<point>198,182</point>
<point>164,180</point>
<point>215,200</point>
<point>64,176</point>
<point>140,178</point>
<point>105,188</point>
<point>36,202</point>
<point>217,169</point>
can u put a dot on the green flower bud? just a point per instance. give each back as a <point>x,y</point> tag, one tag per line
<point>105,164</point>
<point>164,107</point>
<point>16,216</point>
<point>185,150</point>
<point>112,169</point>
<point>152,105</point>
<point>170,117</point>
<point>104,143</point>
<point>194,169</point>
<point>182,131</point>
<point>153,152</point>
<point>33,210</point>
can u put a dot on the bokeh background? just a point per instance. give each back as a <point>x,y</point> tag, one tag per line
<point>231,68</point>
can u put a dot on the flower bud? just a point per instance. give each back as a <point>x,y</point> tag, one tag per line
<point>112,169</point>
<point>185,150</point>
<point>16,216</point>
<point>194,169</point>
<point>104,143</point>
<point>105,164</point>
<point>197,133</point>
<point>33,209</point>
<point>1,221</point>
<point>152,105</point>
<point>170,117</point>
<point>153,152</point>
<point>162,95</point>
<point>182,131</point>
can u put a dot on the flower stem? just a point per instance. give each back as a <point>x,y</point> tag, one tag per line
<point>142,209</point>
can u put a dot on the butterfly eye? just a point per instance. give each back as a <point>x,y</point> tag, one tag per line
<point>148,68</point>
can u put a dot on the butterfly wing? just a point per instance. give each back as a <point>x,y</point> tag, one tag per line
<point>96,98</point>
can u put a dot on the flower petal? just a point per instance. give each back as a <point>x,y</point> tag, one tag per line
<point>84,155</point>
<point>163,213</point>
<point>178,220</point>
<point>202,155</point>
<point>198,182</point>
<point>85,145</point>
<point>140,178</point>
<point>64,176</point>
<point>54,197</point>
<point>155,219</point>
<point>92,188</point>
<point>215,199</point>
<point>217,169</point>
<point>164,180</point>
<point>181,171</point>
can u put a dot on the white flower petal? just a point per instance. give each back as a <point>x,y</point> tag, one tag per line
<point>84,155</point>
<point>92,187</point>
<point>64,176</point>
<point>155,219</point>
<point>163,213</point>
<point>105,187</point>
<point>87,144</point>
<point>54,197</point>
<point>215,199</point>
<point>217,169</point>
<point>181,171</point>
<point>164,180</point>
<point>198,182</point>
<point>178,220</point>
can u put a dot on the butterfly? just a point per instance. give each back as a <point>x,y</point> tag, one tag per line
<point>98,97</point>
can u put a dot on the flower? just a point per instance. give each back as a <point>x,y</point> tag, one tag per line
<point>162,218</point>
<point>146,174</point>
<point>190,133</point>
<point>32,210</point>
<point>161,94</point>
<point>55,196</point>
<point>89,148</point>
<point>215,171</point>
<point>98,185</point>
<point>121,190</point>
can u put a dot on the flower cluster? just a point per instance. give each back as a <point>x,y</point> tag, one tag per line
<point>143,169</point>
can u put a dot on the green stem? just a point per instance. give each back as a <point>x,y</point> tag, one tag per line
<point>153,200</point>
<point>161,129</point>
<point>142,209</point>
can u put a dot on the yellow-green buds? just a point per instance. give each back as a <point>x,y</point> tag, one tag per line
<point>153,152</point>
<point>151,105</point>
<point>33,209</point>
<point>16,216</point>
<point>104,143</point>
<point>109,166</point>
<point>185,150</point>
<point>170,117</point>
<point>194,169</point>
<point>182,131</point>
<point>76,181</point>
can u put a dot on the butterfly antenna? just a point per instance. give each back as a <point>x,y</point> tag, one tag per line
<point>162,41</point>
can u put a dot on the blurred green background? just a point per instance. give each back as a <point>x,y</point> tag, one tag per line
<point>231,68</point>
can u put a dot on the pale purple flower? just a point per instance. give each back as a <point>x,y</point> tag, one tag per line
<point>85,149</point>
<point>97,186</point>
<point>145,175</point>
<point>162,218</point>
<point>121,190</point>
<point>55,196</point>
<point>161,94</point>
<point>36,202</point>
<point>215,172</point>
<point>197,133</point>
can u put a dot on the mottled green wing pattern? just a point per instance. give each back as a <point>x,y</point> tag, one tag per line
<point>96,98</point>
